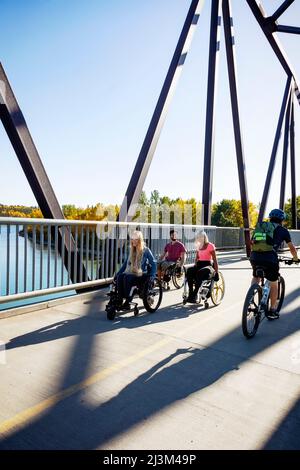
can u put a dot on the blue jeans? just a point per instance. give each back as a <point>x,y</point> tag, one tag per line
<point>125,281</point>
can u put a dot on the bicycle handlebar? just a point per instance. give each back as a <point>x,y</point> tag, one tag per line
<point>288,260</point>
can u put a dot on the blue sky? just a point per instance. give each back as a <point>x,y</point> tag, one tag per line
<point>87,76</point>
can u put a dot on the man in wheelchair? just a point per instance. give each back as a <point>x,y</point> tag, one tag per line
<point>136,276</point>
<point>173,258</point>
<point>205,267</point>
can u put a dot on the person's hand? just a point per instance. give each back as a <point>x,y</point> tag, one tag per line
<point>296,259</point>
<point>216,277</point>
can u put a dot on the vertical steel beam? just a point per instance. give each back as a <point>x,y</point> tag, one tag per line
<point>149,145</point>
<point>274,150</point>
<point>293,167</point>
<point>231,66</point>
<point>27,154</point>
<point>214,48</point>
<point>285,154</point>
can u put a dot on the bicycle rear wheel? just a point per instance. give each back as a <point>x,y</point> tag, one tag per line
<point>251,314</point>
<point>281,292</point>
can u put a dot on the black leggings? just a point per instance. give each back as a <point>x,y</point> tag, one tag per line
<point>126,281</point>
<point>197,274</point>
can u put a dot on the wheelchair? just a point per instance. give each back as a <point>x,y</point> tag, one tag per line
<point>174,273</point>
<point>150,293</point>
<point>209,289</point>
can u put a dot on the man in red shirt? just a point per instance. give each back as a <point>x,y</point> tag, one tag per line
<point>174,251</point>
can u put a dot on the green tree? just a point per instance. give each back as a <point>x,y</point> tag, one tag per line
<point>288,211</point>
<point>228,213</point>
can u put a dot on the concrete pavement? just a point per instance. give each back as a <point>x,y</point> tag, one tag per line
<point>181,378</point>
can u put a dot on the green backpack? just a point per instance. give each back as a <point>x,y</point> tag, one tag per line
<point>263,236</point>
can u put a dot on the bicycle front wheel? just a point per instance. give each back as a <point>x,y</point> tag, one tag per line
<point>251,314</point>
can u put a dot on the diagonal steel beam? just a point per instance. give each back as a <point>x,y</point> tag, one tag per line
<point>150,142</point>
<point>265,22</point>
<point>27,154</point>
<point>284,6</point>
<point>265,196</point>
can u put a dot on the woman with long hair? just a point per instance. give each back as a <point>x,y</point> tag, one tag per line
<point>206,265</point>
<point>138,266</point>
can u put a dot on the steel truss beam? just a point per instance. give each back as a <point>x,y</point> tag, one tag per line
<point>265,196</point>
<point>31,163</point>
<point>285,153</point>
<point>144,160</point>
<point>293,168</point>
<point>231,67</point>
<point>268,26</point>
<point>214,51</point>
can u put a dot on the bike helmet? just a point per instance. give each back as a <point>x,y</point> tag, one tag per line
<point>277,214</point>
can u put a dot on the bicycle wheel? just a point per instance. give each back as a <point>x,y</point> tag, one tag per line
<point>251,314</point>
<point>281,292</point>
<point>218,290</point>
<point>178,278</point>
<point>152,296</point>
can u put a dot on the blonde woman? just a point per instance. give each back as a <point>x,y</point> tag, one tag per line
<point>206,264</point>
<point>139,265</point>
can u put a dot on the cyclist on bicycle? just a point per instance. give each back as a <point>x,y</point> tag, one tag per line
<point>266,240</point>
<point>174,252</point>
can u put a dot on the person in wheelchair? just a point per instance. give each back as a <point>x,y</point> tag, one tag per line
<point>137,269</point>
<point>174,253</point>
<point>206,266</point>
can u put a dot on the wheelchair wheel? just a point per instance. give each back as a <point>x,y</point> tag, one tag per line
<point>152,296</point>
<point>217,290</point>
<point>178,278</point>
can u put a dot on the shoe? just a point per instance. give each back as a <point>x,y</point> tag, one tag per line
<point>191,299</point>
<point>126,305</point>
<point>272,314</point>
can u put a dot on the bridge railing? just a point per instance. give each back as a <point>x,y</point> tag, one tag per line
<point>36,254</point>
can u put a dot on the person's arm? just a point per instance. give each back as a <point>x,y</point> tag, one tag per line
<point>215,261</point>
<point>182,258</point>
<point>123,267</point>
<point>293,251</point>
<point>164,254</point>
<point>152,262</point>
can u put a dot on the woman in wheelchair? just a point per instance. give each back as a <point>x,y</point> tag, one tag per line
<point>206,266</point>
<point>139,266</point>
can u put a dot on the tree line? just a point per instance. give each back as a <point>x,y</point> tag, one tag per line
<point>226,213</point>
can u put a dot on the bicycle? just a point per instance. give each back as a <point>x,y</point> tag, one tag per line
<point>257,301</point>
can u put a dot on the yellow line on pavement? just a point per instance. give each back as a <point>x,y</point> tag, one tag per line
<point>20,419</point>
